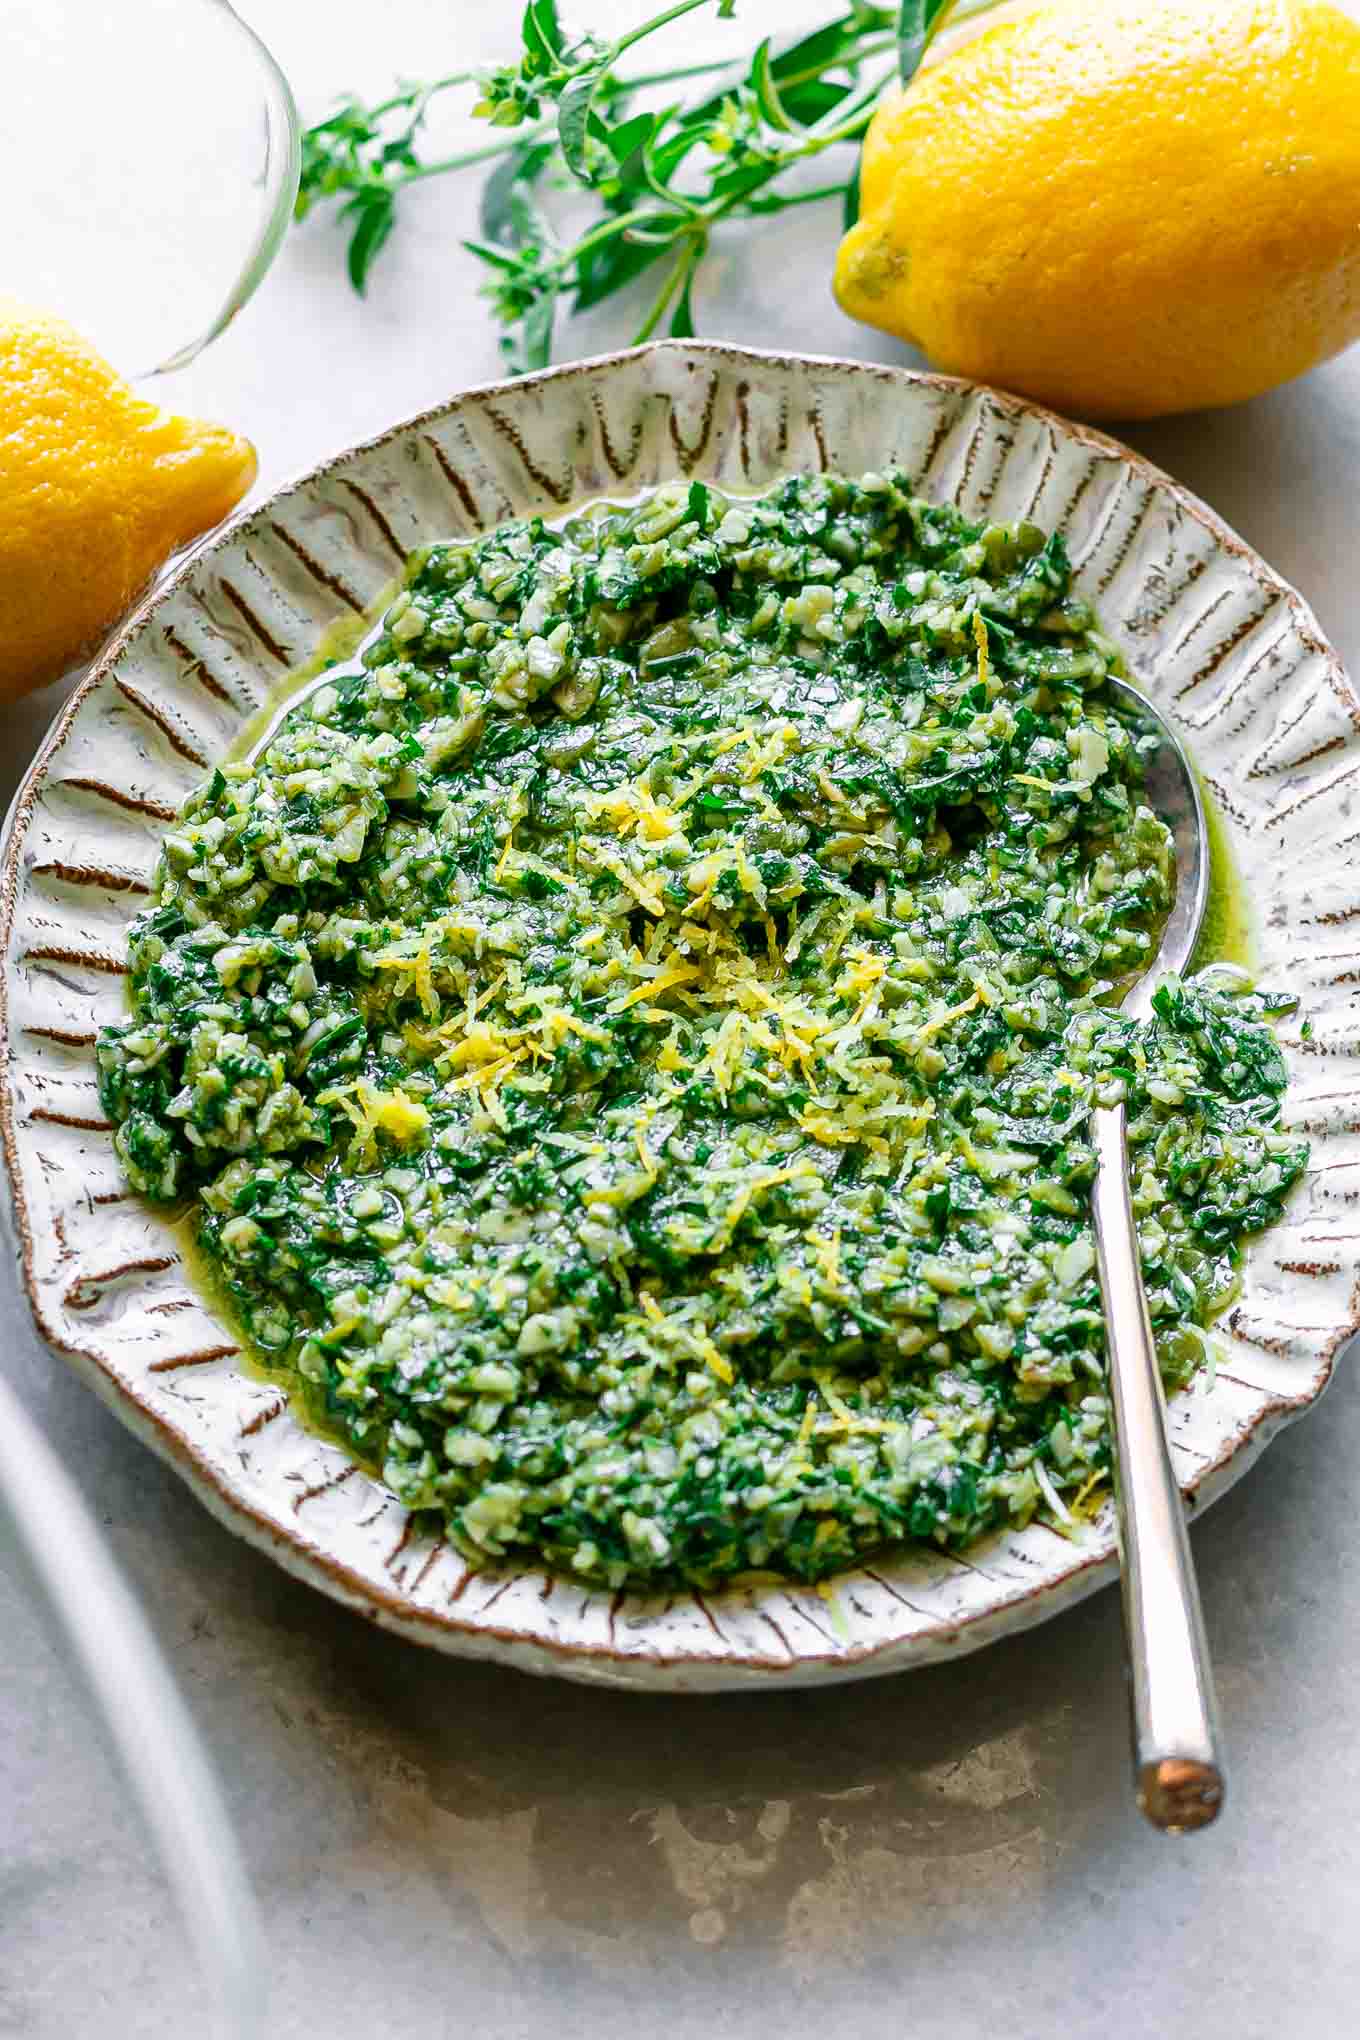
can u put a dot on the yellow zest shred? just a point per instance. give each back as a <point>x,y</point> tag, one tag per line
<point>984,666</point>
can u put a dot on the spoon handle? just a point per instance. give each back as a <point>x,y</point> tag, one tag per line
<point>1174,1713</point>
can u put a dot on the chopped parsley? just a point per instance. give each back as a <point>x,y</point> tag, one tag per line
<point>629,1039</point>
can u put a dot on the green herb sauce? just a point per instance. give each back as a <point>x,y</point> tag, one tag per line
<point>629,1037</point>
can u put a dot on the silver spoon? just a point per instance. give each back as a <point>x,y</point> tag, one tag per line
<point>1174,1712</point>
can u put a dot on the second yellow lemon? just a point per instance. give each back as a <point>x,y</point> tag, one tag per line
<point>1121,209</point>
<point>97,488</point>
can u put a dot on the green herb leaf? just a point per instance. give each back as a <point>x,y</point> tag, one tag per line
<point>604,271</point>
<point>850,205</point>
<point>682,318</point>
<point>374,216</point>
<point>522,166</point>
<point>536,346</point>
<point>916,24</point>
<point>573,123</point>
<point>625,139</point>
<point>497,257</point>
<point>541,34</point>
<point>838,42</point>
<point>766,91</point>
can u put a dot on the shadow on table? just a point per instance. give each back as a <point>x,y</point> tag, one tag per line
<point>965,1804</point>
<point>829,1824</point>
<point>814,1818</point>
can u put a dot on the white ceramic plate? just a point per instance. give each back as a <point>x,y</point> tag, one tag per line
<point>1231,654</point>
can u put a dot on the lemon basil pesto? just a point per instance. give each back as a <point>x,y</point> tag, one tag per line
<point>630,1038</point>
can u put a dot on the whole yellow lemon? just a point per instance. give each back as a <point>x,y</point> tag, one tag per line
<point>97,488</point>
<point>1122,210</point>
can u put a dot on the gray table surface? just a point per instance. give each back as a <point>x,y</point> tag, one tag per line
<point>445,1848</point>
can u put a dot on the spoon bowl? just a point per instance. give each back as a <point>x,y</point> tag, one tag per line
<point>1174,1715</point>
<point>1172,790</point>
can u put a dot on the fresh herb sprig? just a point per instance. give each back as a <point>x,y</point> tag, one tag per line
<point>662,178</point>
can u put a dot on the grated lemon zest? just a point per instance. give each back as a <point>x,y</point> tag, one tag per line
<point>980,639</point>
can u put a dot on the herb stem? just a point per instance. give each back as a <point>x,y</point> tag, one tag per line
<point>675,279</point>
<point>403,98</point>
<point>789,80</point>
<point>609,229</point>
<point>625,42</point>
<point>852,115</point>
<point>786,202</point>
<point>616,88</point>
<point>471,156</point>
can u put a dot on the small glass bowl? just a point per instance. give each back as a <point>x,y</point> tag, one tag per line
<point>149,160</point>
